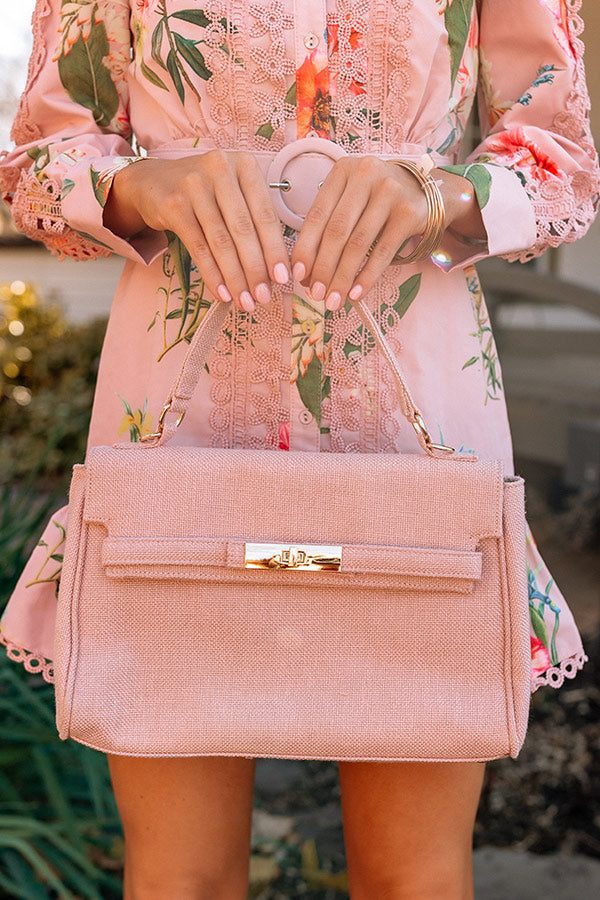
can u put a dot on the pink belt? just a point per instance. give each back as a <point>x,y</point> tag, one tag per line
<point>296,172</point>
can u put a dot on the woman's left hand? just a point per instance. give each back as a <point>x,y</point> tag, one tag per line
<point>362,199</point>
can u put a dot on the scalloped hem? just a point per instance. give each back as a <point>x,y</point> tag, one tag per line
<point>32,661</point>
<point>555,676</point>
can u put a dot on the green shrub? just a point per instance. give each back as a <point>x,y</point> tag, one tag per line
<point>48,371</point>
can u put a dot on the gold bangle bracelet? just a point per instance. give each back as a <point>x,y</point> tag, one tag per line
<point>436,220</point>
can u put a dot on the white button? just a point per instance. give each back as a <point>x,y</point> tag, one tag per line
<point>305,417</point>
<point>311,41</point>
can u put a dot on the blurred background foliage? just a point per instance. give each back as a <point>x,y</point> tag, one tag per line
<point>48,369</point>
<point>60,834</point>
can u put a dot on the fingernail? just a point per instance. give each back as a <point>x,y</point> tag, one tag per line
<point>224,294</point>
<point>246,301</point>
<point>262,293</point>
<point>317,291</point>
<point>281,273</point>
<point>356,291</point>
<point>333,301</point>
<point>299,271</point>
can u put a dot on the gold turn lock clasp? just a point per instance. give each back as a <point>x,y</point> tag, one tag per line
<point>308,557</point>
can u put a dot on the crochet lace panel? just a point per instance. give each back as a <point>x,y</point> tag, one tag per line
<point>33,662</point>
<point>24,129</point>
<point>251,106</point>
<point>36,210</point>
<point>565,209</point>
<point>555,676</point>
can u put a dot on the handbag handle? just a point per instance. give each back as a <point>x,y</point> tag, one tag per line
<point>207,333</point>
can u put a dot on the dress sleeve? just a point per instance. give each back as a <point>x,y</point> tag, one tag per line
<point>72,131</point>
<point>535,171</point>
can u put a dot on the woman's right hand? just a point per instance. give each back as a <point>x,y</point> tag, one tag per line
<point>219,205</point>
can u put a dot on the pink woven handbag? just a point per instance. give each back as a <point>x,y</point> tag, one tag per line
<point>386,619</point>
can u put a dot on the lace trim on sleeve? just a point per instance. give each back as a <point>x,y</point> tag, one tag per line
<point>36,210</point>
<point>555,676</point>
<point>33,662</point>
<point>24,130</point>
<point>565,209</point>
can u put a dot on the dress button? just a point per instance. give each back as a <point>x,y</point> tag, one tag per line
<point>305,417</point>
<point>311,41</point>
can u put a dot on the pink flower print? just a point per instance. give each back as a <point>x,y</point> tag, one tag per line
<point>540,658</point>
<point>284,436</point>
<point>522,153</point>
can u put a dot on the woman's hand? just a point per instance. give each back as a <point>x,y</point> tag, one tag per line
<point>218,204</point>
<point>362,199</point>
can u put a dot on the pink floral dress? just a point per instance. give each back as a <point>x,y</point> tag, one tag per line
<point>394,77</point>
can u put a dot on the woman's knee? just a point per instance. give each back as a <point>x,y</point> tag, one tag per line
<point>176,885</point>
<point>450,881</point>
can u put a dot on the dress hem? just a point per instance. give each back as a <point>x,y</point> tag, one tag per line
<point>33,662</point>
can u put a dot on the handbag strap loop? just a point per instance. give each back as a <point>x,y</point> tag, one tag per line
<point>207,333</point>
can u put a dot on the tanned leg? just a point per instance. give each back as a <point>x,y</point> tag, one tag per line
<point>187,825</point>
<point>408,829</point>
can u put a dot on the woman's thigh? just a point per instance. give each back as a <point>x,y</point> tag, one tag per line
<point>187,825</point>
<point>408,828</point>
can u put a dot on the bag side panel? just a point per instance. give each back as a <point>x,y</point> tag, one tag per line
<point>517,625</point>
<point>65,637</point>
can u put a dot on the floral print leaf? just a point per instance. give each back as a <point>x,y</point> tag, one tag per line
<point>86,79</point>
<point>67,186</point>
<point>265,130</point>
<point>152,77</point>
<point>407,292</point>
<point>479,177</point>
<point>181,260</point>
<point>310,388</point>
<point>488,354</point>
<point>156,44</point>
<point>538,625</point>
<point>138,423</point>
<point>98,186</point>
<point>192,56</point>
<point>457,17</point>
<point>195,16</point>
<point>175,76</point>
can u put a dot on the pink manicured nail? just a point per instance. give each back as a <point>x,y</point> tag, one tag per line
<point>246,301</point>
<point>299,271</point>
<point>262,293</point>
<point>317,291</point>
<point>333,301</point>
<point>356,291</point>
<point>281,273</point>
<point>224,294</point>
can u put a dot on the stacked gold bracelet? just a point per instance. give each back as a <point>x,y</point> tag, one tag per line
<point>436,220</point>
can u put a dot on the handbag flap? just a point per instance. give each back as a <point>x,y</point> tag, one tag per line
<point>406,500</point>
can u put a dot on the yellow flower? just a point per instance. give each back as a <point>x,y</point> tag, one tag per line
<point>307,336</point>
<point>140,422</point>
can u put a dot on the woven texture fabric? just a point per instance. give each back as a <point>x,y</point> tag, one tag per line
<point>311,665</point>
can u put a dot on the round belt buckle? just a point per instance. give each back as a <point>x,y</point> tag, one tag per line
<point>296,173</point>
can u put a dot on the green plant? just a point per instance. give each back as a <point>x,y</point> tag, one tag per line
<point>59,827</point>
<point>48,373</point>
